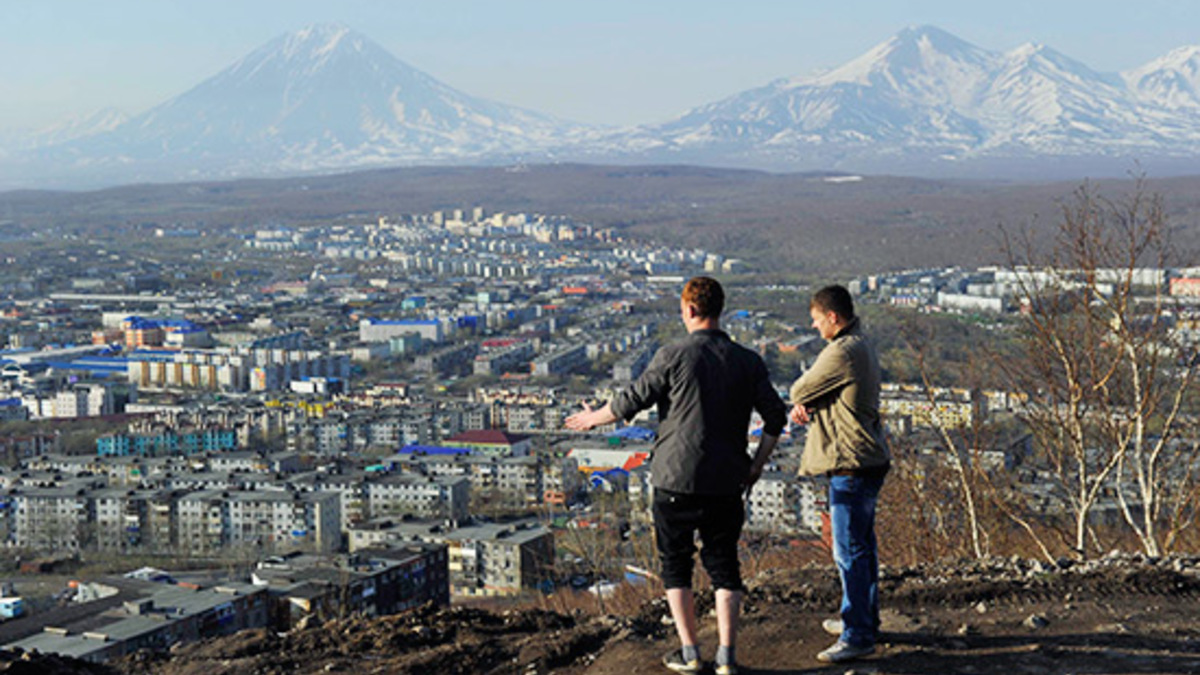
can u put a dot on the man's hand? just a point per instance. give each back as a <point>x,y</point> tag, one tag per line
<point>589,418</point>
<point>756,471</point>
<point>581,421</point>
<point>799,414</point>
<point>765,445</point>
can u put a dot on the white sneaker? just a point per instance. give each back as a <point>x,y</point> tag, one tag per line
<point>836,627</point>
<point>844,651</point>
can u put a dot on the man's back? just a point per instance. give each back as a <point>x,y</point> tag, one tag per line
<point>705,386</point>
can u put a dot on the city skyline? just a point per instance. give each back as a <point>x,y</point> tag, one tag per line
<point>621,64</point>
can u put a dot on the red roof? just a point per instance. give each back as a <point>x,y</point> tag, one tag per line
<point>491,436</point>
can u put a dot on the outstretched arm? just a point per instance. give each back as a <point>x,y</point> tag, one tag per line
<point>589,418</point>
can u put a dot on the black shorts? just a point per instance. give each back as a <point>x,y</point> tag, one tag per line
<point>719,520</point>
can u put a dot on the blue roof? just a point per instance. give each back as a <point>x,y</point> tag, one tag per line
<point>142,323</point>
<point>633,433</point>
<point>432,450</point>
<point>89,367</point>
<point>35,367</point>
<point>402,322</point>
<point>20,350</point>
<point>10,402</point>
<point>152,355</point>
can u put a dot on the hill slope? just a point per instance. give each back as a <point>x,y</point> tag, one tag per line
<point>1118,615</point>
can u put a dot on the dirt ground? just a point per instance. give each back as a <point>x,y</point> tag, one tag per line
<point>1115,616</point>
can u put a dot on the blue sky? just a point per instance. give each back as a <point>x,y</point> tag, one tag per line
<point>610,61</point>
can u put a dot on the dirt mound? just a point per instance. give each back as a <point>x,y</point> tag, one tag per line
<point>1002,617</point>
<point>994,617</point>
<point>456,640</point>
<point>18,662</point>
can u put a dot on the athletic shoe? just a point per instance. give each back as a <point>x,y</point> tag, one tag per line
<point>835,627</point>
<point>726,669</point>
<point>675,661</point>
<point>844,651</point>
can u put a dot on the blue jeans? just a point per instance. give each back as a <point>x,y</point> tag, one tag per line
<point>852,517</point>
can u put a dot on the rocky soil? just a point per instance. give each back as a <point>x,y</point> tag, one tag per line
<point>1003,617</point>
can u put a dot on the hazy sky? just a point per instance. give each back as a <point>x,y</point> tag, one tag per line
<point>602,61</point>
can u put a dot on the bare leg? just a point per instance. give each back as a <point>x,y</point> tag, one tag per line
<point>729,604</point>
<point>683,611</point>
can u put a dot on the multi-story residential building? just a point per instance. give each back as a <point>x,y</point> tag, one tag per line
<point>240,369</point>
<point>559,362</point>
<point>510,359</point>
<point>382,330</point>
<point>522,418</point>
<point>373,582</point>
<point>255,462</point>
<point>457,359</point>
<point>426,497</point>
<point>202,519</point>
<point>272,520</point>
<point>781,503</point>
<point>500,559</point>
<point>950,407</point>
<point>561,480</point>
<point>631,366</point>
<point>484,559</point>
<point>286,519</point>
<point>120,515</point>
<point>85,400</point>
<point>18,447</point>
<point>155,616</point>
<point>164,443</point>
<point>477,418</point>
<point>349,489</point>
<point>514,481</point>
<point>55,518</point>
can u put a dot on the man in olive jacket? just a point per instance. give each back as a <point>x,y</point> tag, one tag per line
<point>838,398</point>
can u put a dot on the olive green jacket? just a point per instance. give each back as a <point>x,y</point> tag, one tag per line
<point>841,389</point>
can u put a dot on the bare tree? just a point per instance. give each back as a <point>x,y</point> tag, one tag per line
<point>918,342</point>
<point>1110,385</point>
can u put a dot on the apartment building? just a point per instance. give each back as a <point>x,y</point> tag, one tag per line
<point>155,617</point>
<point>426,497</point>
<point>484,559</point>
<point>781,503</point>
<point>270,519</point>
<point>366,583</point>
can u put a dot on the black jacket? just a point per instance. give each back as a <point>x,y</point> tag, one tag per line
<point>705,387</point>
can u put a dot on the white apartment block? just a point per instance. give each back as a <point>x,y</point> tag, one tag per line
<point>435,497</point>
<point>211,519</point>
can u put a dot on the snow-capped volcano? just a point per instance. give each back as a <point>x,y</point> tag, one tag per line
<point>925,97</point>
<point>922,102</point>
<point>1172,81</point>
<point>908,89</point>
<point>924,64</point>
<point>324,97</point>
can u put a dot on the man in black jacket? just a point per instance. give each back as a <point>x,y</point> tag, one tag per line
<point>705,387</point>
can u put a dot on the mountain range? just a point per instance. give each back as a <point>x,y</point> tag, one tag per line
<point>923,102</point>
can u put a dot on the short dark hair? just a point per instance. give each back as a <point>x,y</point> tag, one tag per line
<point>706,294</point>
<point>834,299</point>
